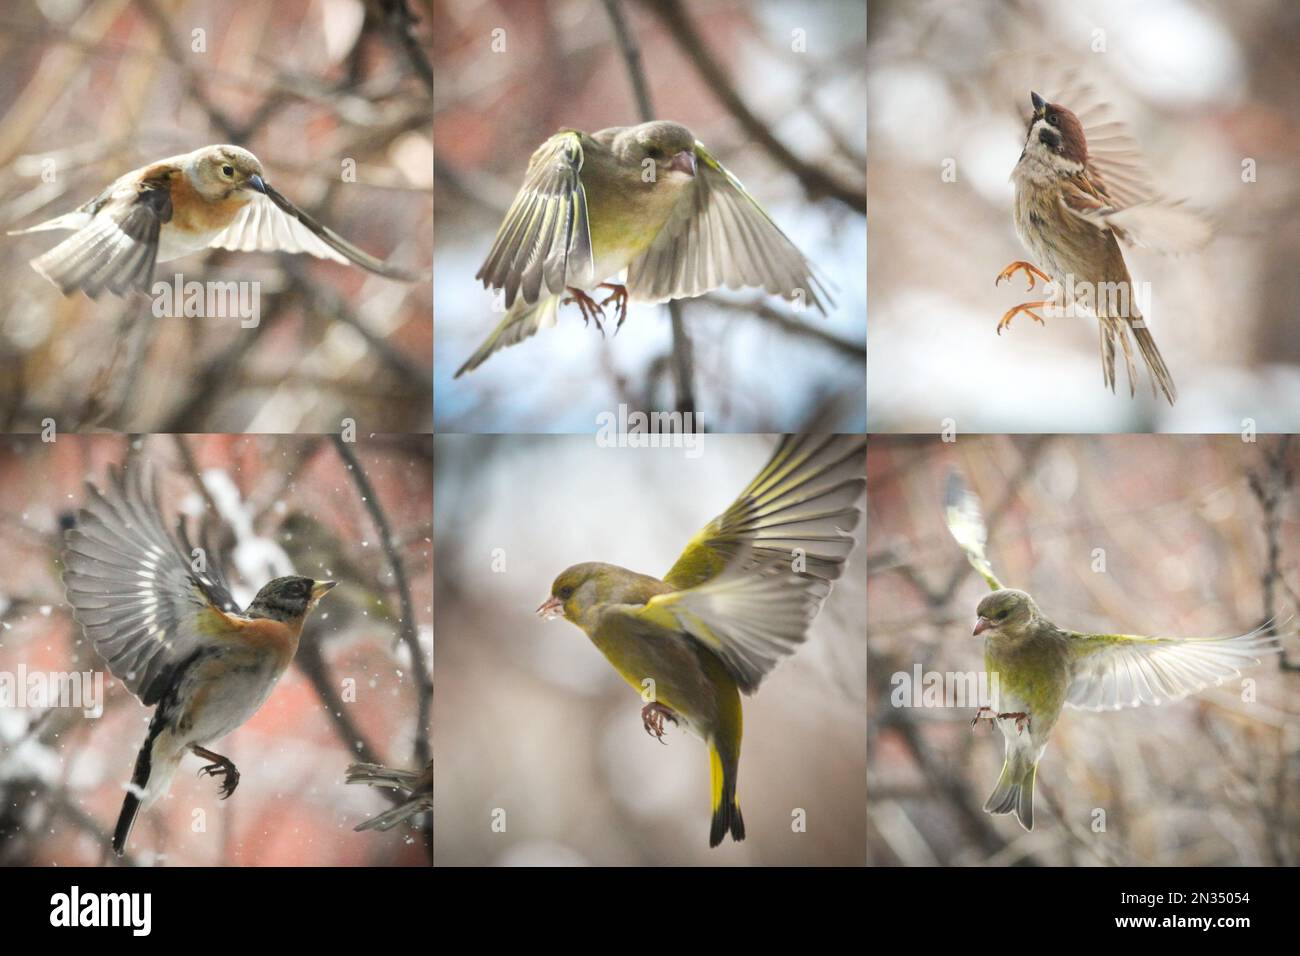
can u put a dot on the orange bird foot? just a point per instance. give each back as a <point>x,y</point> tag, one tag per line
<point>590,308</point>
<point>617,295</point>
<point>1027,308</point>
<point>653,717</point>
<point>1030,270</point>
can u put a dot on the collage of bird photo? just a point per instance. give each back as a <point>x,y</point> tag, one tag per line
<point>467,434</point>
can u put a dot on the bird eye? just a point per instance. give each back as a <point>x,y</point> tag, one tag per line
<point>1002,615</point>
<point>1053,119</point>
<point>228,170</point>
<point>564,593</point>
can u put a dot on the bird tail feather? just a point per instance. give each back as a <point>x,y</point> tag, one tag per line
<point>150,780</point>
<point>1014,792</point>
<point>726,809</point>
<point>521,321</point>
<point>1155,363</point>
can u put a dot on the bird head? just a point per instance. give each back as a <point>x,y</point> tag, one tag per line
<point>219,171</point>
<point>1005,614</point>
<point>594,584</point>
<point>1055,136</point>
<point>288,598</point>
<point>670,146</point>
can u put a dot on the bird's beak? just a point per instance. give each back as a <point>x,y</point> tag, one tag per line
<point>1039,103</point>
<point>552,607</point>
<point>684,162</point>
<point>255,182</point>
<point>982,625</point>
<point>318,588</point>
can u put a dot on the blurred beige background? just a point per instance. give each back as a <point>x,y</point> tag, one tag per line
<point>1190,549</point>
<point>531,719</point>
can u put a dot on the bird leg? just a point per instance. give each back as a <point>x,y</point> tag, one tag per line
<point>220,765</point>
<point>1027,308</point>
<point>589,307</point>
<point>1022,719</point>
<point>1028,268</point>
<point>653,717</point>
<point>617,295</point>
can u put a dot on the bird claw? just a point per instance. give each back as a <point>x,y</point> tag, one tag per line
<point>1025,307</point>
<point>591,309</point>
<point>230,776</point>
<point>1029,270</point>
<point>1021,718</point>
<point>653,717</point>
<point>984,713</point>
<point>617,295</point>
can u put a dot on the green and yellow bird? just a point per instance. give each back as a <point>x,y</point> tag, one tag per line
<point>1038,668</point>
<point>649,199</point>
<point>738,600</point>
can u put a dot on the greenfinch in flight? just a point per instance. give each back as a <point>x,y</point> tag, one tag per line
<point>738,600</point>
<point>649,199</point>
<point>1039,668</point>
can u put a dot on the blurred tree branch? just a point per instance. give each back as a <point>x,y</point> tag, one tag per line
<point>682,355</point>
<point>816,181</point>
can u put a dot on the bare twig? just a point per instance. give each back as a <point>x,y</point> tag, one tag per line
<point>423,675</point>
<point>1270,486</point>
<point>816,181</point>
<point>683,355</point>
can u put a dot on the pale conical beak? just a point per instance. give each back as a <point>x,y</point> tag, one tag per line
<point>982,625</point>
<point>684,162</point>
<point>550,608</point>
<point>318,588</point>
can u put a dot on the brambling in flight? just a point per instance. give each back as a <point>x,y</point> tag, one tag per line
<point>173,635</point>
<point>213,198</point>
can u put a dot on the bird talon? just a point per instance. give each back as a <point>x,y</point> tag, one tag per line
<point>653,717</point>
<point>591,310</point>
<point>1029,270</point>
<point>1021,718</point>
<point>617,295</point>
<point>1025,307</point>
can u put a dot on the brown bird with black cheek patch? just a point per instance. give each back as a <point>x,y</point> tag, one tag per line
<point>1071,210</point>
<point>175,636</point>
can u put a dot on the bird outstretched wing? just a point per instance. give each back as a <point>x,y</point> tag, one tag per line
<point>134,587</point>
<point>961,508</point>
<point>1113,671</point>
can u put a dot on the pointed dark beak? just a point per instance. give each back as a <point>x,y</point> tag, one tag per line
<point>551,607</point>
<point>684,162</point>
<point>1039,103</point>
<point>319,588</point>
<point>982,625</point>
<point>255,182</point>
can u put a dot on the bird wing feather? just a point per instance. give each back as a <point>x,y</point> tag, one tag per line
<point>1112,671</point>
<point>544,242</point>
<point>718,235</point>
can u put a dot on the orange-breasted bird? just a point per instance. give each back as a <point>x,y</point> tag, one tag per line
<point>213,198</point>
<point>174,635</point>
